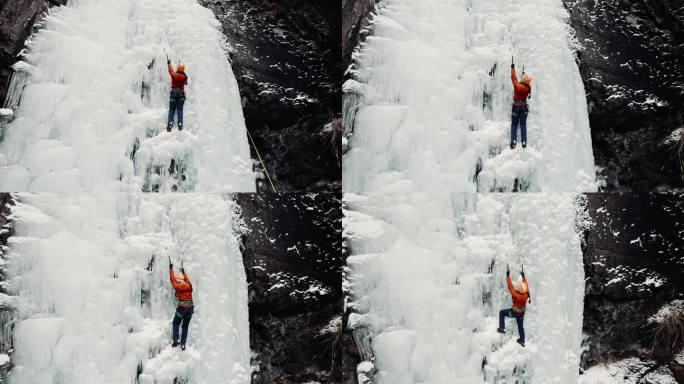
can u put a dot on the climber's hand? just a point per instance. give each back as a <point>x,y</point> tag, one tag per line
<point>170,266</point>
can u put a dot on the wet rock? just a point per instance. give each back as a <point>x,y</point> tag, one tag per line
<point>631,60</point>
<point>293,258</point>
<point>355,18</point>
<point>286,58</point>
<point>17,19</point>
<point>633,263</point>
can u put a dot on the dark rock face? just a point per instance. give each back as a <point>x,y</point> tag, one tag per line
<point>286,58</point>
<point>634,263</point>
<point>293,258</point>
<point>17,18</point>
<point>355,17</point>
<point>632,65</point>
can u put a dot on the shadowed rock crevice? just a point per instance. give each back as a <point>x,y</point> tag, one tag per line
<point>293,258</point>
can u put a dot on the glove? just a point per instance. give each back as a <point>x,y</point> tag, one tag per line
<point>182,270</point>
<point>170,266</point>
<point>508,271</point>
<point>168,61</point>
<point>512,65</point>
<point>522,274</point>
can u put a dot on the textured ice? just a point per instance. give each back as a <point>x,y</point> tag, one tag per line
<point>92,92</point>
<point>429,102</point>
<point>88,275</point>
<point>432,287</point>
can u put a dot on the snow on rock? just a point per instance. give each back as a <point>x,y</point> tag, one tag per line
<point>429,103</point>
<point>627,371</point>
<point>88,274</point>
<point>92,89</point>
<point>672,308</point>
<point>430,292</point>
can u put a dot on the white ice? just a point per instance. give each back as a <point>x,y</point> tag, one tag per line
<point>89,274</point>
<point>428,276</point>
<point>430,100</point>
<point>91,99</point>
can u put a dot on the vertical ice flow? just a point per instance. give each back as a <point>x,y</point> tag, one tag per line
<point>427,118</point>
<point>89,274</point>
<point>426,281</point>
<point>91,98</point>
<point>430,95</point>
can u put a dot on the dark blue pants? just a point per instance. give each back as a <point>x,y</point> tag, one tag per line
<point>183,315</point>
<point>519,116</point>
<point>176,101</point>
<point>519,317</point>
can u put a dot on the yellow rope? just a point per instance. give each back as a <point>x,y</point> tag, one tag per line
<point>260,160</point>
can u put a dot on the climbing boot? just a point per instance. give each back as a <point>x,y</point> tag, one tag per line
<point>180,126</point>
<point>500,330</point>
<point>524,144</point>
<point>513,145</point>
<point>175,344</point>
<point>521,342</point>
<point>183,347</point>
<point>168,127</point>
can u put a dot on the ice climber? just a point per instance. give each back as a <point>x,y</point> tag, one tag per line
<point>181,283</point>
<point>177,97</point>
<point>521,91</point>
<point>520,294</point>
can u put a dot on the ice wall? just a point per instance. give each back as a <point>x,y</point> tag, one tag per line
<point>429,100</point>
<point>89,274</point>
<point>91,98</point>
<point>426,280</point>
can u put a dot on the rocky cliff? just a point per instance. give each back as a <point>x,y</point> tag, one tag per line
<point>293,258</point>
<point>634,263</point>
<point>286,57</point>
<point>631,59</point>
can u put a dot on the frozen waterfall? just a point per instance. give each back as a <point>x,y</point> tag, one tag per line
<point>91,97</point>
<point>89,278</point>
<point>426,281</point>
<point>429,103</point>
<point>427,120</point>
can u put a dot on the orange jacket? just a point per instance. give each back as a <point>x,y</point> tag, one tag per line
<point>183,289</point>
<point>520,90</point>
<point>519,299</point>
<point>178,79</point>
